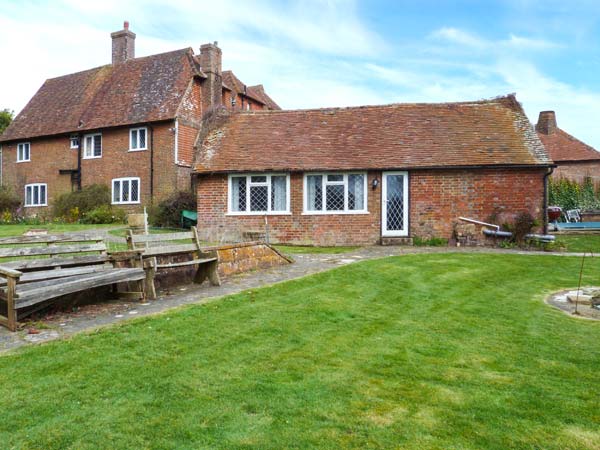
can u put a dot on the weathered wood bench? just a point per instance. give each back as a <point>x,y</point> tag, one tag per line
<point>41,268</point>
<point>162,247</point>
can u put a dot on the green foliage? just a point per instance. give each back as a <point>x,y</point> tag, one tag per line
<point>569,194</point>
<point>431,242</point>
<point>103,214</point>
<point>9,204</point>
<point>168,212</point>
<point>6,117</point>
<point>75,205</point>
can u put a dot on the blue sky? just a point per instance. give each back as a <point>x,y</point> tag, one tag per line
<point>335,53</point>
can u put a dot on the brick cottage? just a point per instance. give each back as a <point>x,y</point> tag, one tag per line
<point>130,125</point>
<point>369,174</point>
<point>574,159</point>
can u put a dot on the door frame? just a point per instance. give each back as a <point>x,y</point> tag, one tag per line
<point>397,233</point>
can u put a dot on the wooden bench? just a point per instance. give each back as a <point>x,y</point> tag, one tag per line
<point>46,267</point>
<point>161,246</point>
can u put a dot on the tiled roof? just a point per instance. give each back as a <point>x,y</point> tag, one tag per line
<point>561,146</point>
<point>139,90</point>
<point>257,93</point>
<point>399,136</point>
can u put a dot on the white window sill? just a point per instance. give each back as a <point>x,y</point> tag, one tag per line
<point>259,213</point>
<point>125,203</point>
<point>92,157</point>
<point>36,206</point>
<point>23,160</point>
<point>137,149</point>
<point>334,213</point>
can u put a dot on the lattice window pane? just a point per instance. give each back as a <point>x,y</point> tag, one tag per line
<point>278,193</point>
<point>42,194</point>
<point>335,177</point>
<point>135,191</point>
<point>395,203</point>
<point>356,192</point>
<point>97,145</point>
<point>134,139</point>
<point>116,191</point>
<point>259,198</point>
<point>125,192</point>
<point>314,184</point>
<point>258,179</point>
<point>28,195</point>
<point>334,198</point>
<point>238,194</point>
<point>142,138</point>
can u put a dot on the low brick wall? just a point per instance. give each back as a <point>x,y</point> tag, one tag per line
<point>233,259</point>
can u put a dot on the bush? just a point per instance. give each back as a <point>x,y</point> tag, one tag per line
<point>168,212</point>
<point>569,194</point>
<point>103,214</point>
<point>9,202</point>
<point>75,205</point>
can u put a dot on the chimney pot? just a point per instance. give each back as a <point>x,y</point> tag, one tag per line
<point>546,122</point>
<point>126,25</point>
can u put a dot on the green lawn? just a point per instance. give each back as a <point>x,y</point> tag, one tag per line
<point>580,242</point>
<point>420,351</point>
<point>17,230</point>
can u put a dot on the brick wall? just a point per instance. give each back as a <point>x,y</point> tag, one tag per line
<point>577,171</point>
<point>437,199</point>
<point>48,155</point>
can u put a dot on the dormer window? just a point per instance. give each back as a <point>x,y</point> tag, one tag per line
<point>92,146</point>
<point>74,140</point>
<point>138,139</point>
<point>23,152</point>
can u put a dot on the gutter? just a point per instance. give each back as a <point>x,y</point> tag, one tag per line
<point>151,164</point>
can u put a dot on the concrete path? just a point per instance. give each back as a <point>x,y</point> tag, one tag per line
<point>93,316</point>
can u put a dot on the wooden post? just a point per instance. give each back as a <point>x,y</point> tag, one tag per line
<point>11,312</point>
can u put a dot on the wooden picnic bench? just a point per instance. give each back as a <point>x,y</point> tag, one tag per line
<point>41,268</point>
<point>161,247</point>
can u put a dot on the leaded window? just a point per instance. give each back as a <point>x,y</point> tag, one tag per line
<point>259,194</point>
<point>335,193</point>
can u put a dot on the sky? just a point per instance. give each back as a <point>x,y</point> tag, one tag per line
<point>323,53</point>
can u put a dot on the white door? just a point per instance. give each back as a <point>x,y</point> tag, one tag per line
<point>394,207</point>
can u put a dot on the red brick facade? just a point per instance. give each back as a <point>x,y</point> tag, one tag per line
<point>436,200</point>
<point>578,170</point>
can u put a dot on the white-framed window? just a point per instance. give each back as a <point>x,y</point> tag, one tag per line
<point>335,193</point>
<point>138,139</point>
<point>23,152</point>
<point>74,142</point>
<point>36,194</point>
<point>92,146</point>
<point>259,194</point>
<point>125,191</point>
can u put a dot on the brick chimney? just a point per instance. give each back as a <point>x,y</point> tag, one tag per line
<point>546,122</point>
<point>212,87</point>
<point>123,45</point>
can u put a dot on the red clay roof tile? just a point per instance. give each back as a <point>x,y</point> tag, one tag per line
<point>561,146</point>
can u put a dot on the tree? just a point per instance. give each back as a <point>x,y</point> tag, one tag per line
<point>6,117</point>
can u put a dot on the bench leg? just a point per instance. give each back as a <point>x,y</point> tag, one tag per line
<point>11,312</point>
<point>213,273</point>
<point>150,273</point>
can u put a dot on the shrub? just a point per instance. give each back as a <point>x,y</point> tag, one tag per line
<point>431,242</point>
<point>74,205</point>
<point>569,194</point>
<point>103,214</point>
<point>9,201</point>
<point>168,212</point>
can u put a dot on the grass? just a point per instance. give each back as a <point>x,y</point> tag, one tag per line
<point>305,249</point>
<point>420,351</point>
<point>17,230</point>
<point>579,242</point>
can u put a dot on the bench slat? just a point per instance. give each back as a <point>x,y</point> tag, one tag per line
<point>51,250</point>
<point>170,249</point>
<point>161,237</point>
<point>31,264</point>
<point>53,274</point>
<point>186,263</point>
<point>51,238</point>
<point>32,293</point>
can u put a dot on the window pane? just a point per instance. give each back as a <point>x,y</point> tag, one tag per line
<point>28,195</point>
<point>36,195</point>
<point>125,190</point>
<point>335,197</point>
<point>98,145</point>
<point>356,192</point>
<point>335,177</point>
<point>134,139</point>
<point>42,194</point>
<point>258,179</point>
<point>116,191</point>
<point>314,184</point>
<point>259,198</point>
<point>278,193</point>
<point>135,191</point>
<point>26,152</point>
<point>142,138</point>
<point>238,193</point>
<point>88,146</point>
